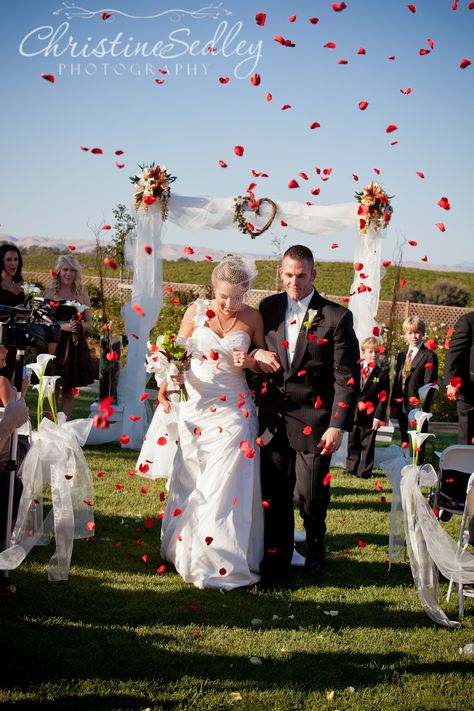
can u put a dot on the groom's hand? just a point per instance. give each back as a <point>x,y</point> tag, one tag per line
<point>331,440</point>
<point>267,361</point>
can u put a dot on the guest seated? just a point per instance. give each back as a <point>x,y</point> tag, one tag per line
<point>11,294</point>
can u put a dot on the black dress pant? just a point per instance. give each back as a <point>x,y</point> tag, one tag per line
<point>285,475</point>
<point>360,451</point>
<point>466,422</point>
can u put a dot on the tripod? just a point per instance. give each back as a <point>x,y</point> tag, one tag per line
<point>7,482</point>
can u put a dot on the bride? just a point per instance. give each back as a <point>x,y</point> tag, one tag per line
<point>212,529</point>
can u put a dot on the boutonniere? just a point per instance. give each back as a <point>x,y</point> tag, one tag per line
<point>375,380</point>
<point>313,320</point>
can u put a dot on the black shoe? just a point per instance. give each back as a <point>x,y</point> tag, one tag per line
<point>314,562</point>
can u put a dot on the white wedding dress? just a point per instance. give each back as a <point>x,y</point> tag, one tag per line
<point>212,530</point>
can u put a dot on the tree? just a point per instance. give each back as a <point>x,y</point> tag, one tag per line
<point>123,225</point>
<point>448,293</point>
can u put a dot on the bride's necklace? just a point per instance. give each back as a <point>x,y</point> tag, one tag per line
<point>229,328</point>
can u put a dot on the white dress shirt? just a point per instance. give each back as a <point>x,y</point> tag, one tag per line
<point>295,312</point>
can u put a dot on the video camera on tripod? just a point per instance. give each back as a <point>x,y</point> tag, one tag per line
<point>36,326</point>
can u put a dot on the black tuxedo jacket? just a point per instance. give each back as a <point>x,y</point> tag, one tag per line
<point>460,357</point>
<point>377,383</point>
<point>424,370</point>
<point>324,372</point>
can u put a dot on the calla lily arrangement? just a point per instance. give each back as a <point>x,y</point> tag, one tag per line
<point>417,417</point>
<point>46,386</point>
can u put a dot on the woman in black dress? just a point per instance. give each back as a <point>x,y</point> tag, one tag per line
<point>73,359</point>
<point>11,294</point>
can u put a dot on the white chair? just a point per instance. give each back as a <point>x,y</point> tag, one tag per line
<point>456,463</point>
<point>463,542</point>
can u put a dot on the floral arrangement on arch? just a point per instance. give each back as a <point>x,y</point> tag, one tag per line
<point>152,184</point>
<point>375,209</point>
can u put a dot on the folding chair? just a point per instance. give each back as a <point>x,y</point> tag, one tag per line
<point>456,464</point>
<point>463,542</point>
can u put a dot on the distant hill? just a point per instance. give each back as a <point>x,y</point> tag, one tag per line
<point>173,252</point>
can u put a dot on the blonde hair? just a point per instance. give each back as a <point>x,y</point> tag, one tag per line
<point>77,283</point>
<point>413,324</point>
<point>368,342</point>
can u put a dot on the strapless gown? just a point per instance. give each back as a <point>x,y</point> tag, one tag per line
<point>212,530</point>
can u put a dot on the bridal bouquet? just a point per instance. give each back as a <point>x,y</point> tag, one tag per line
<point>152,184</point>
<point>375,210</point>
<point>170,356</point>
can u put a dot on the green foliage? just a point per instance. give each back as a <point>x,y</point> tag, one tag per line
<point>448,293</point>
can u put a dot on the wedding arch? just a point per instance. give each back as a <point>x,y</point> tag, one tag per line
<point>155,205</point>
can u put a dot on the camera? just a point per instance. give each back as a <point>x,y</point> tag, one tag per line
<point>36,326</point>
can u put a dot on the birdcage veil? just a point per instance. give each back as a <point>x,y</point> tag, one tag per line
<point>236,270</point>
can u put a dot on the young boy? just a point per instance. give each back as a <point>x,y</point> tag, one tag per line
<point>416,366</point>
<point>370,412</point>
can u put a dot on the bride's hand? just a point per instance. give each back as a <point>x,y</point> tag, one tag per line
<point>241,359</point>
<point>177,379</point>
<point>163,397</point>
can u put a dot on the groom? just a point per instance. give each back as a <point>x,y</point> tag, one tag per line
<point>308,400</point>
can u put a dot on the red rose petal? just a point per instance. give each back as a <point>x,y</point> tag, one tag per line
<point>406,91</point>
<point>412,242</point>
<point>441,226</point>
<point>239,150</point>
<point>293,184</point>
<point>412,8</point>
<point>430,42</point>
<point>124,439</point>
<point>444,203</point>
<point>330,45</point>
<point>161,570</point>
<point>315,124</point>
<point>360,543</point>
<point>255,79</point>
<point>363,105</point>
<point>338,6</point>
<point>391,127</point>
<point>222,571</point>
<point>327,479</point>
<point>361,50</point>
<point>224,80</point>
<point>208,540</point>
<point>138,309</point>
<point>307,430</point>
<point>97,151</point>
<point>260,18</point>
<point>313,20</point>
<point>48,77</point>
<point>464,63</point>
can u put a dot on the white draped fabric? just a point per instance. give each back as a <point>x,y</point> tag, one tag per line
<point>364,303</point>
<point>198,213</point>
<point>56,458</point>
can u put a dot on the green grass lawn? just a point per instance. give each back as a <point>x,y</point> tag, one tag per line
<point>117,635</point>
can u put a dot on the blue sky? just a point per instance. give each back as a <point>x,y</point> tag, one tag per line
<point>49,187</point>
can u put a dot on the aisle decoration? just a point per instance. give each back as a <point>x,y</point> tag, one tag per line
<point>431,550</point>
<point>152,184</point>
<point>55,457</point>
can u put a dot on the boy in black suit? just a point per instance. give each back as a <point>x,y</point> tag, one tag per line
<point>417,365</point>
<point>370,412</point>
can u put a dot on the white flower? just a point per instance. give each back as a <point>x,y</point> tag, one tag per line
<point>157,363</point>
<point>417,438</point>
<point>30,290</point>
<point>424,390</point>
<point>77,305</point>
<point>39,368</point>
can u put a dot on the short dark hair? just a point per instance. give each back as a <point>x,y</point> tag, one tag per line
<point>4,248</point>
<point>299,252</point>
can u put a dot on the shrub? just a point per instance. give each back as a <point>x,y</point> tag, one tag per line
<point>413,294</point>
<point>448,293</point>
